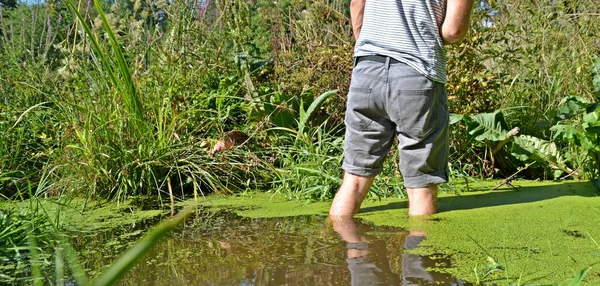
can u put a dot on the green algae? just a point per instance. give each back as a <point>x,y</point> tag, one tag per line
<point>97,215</point>
<point>49,222</point>
<point>535,233</point>
<point>104,216</point>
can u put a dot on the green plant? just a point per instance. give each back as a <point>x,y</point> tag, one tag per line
<point>310,167</point>
<point>580,276</point>
<point>489,269</point>
<point>490,131</point>
<point>577,122</point>
<point>150,144</point>
<point>19,227</point>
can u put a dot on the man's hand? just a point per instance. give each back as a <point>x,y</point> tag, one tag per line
<point>357,11</point>
<point>456,23</point>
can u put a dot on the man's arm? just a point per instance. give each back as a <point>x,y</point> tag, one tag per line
<point>357,10</point>
<point>456,23</point>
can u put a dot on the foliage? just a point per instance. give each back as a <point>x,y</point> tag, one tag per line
<point>596,77</point>
<point>578,123</point>
<point>124,97</point>
<point>521,54</point>
<point>487,126</point>
<point>310,168</point>
<point>473,87</point>
<point>19,227</point>
<point>311,48</point>
<point>490,130</point>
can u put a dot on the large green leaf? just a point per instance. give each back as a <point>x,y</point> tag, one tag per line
<point>566,132</point>
<point>533,148</point>
<point>454,118</point>
<point>487,126</point>
<point>591,119</point>
<point>528,148</point>
<point>570,106</point>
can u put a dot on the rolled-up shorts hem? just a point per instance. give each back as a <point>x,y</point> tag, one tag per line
<point>361,171</point>
<point>422,181</point>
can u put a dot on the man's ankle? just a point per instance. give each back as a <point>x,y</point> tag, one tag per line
<point>422,201</point>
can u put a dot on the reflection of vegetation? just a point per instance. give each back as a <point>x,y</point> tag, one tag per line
<point>33,249</point>
<point>19,228</point>
<point>293,250</point>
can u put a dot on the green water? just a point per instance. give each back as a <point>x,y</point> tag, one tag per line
<point>536,233</point>
<point>222,248</point>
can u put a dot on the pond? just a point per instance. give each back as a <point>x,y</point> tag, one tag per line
<point>222,248</point>
<point>542,233</point>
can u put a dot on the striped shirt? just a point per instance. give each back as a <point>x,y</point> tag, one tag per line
<point>408,31</point>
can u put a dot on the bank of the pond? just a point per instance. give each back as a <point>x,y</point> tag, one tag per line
<point>536,233</point>
<point>80,216</point>
<point>44,223</point>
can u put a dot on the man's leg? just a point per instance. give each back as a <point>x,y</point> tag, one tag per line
<point>422,201</point>
<point>353,191</point>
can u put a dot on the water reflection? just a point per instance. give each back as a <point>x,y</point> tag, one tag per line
<point>366,257</point>
<point>221,248</point>
<point>369,264</point>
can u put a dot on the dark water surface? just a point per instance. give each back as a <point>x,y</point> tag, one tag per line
<point>221,248</point>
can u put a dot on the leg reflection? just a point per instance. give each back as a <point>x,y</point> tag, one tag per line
<point>367,258</point>
<point>420,270</point>
<point>413,266</point>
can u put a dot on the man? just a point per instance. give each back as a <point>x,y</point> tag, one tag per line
<point>398,89</point>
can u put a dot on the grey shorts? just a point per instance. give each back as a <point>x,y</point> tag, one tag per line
<point>389,99</point>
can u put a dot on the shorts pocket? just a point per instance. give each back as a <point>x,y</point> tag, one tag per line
<point>421,112</point>
<point>358,113</point>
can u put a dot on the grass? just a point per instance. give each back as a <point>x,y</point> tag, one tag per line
<point>36,238</point>
<point>37,243</point>
<point>123,99</point>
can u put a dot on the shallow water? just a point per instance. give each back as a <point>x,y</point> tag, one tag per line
<point>221,248</point>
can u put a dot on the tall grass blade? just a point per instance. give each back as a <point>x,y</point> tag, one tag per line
<point>132,99</point>
<point>76,268</point>
<point>95,45</point>
<point>126,88</point>
<point>578,279</point>
<point>304,116</point>
<point>320,173</point>
<point>25,113</point>
<point>135,253</point>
